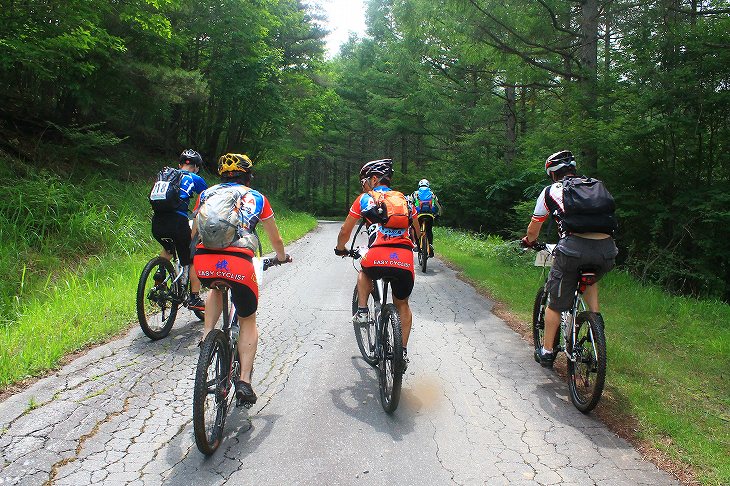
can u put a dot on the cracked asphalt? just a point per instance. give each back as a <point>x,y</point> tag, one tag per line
<point>475,409</point>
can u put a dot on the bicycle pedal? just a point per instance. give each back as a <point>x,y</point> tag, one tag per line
<point>242,403</point>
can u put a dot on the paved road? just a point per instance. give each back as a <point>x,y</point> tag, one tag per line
<point>476,409</point>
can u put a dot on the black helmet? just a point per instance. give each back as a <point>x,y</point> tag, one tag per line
<point>190,156</point>
<point>382,167</point>
<point>558,160</point>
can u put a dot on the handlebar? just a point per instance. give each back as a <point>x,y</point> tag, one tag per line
<point>275,262</point>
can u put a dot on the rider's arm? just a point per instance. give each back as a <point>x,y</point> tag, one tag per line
<point>272,231</point>
<point>346,231</point>
<point>533,230</point>
<point>539,215</point>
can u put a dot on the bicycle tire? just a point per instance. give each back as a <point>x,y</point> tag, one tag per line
<point>365,334</point>
<point>391,364</point>
<point>156,312</point>
<point>584,392</point>
<point>213,352</point>
<point>423,254</point>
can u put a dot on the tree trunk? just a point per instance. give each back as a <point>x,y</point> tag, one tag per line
<point>404,154</point>
<point>510,123</point>
<point>588,75</point>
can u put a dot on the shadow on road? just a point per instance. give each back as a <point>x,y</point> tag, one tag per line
<point>364,392</point>
<point>242,436</point>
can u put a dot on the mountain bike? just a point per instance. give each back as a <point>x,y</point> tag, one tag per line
<point>583,337</point>
<point>381,339</point>
<point>163,287</point>
<point>216,373</point>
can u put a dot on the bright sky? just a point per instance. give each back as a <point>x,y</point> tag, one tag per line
<point>344,16</point>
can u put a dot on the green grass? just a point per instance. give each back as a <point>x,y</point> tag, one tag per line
<point>668,356</point>
<point>70,259</point>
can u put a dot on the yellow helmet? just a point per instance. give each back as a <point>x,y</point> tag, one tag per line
<point>234,163</point>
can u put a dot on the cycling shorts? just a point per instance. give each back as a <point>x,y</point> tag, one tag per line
<point>234,266</point>
<point>572,254</point>
<point>391,262</point>
<point>172,231</point>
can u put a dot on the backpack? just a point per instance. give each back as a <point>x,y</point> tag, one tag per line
<point>391,209</point>
<point>425,200</point>
<point>165,194</point>
<point>220,220</point>
<point>589,207</point>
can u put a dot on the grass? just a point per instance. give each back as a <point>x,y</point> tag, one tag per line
<point>669,356</point>
<point>70,257</point>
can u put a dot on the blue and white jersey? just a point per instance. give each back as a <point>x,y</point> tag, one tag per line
<point>189,183</point>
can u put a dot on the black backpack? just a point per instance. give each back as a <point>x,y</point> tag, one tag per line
<point>588,207</point>
<point>165,194</point>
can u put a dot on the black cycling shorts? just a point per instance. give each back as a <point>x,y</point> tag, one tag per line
<point>172,231</point>
<point>402,283</point>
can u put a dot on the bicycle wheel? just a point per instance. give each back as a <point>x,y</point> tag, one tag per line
<point>156,301</point>
<point>423,254</point>
<point>587,374</point>
<point>365,333</point>
<point>210,392</point>
<point>390,367</point>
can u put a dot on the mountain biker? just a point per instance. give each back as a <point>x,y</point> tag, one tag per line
<point>174,225</point>
<point>573,251</point>
<point>428,207</point>
<point>390,251</point>
<point>233,263</point>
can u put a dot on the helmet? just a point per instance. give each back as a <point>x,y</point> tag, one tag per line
<point>234,163</point>
<point>190,156</point>
<point>558,160</point>
<point>424,183</point>
<point>382,167</point>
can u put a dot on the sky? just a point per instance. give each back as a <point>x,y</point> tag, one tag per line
<point>345,16</point>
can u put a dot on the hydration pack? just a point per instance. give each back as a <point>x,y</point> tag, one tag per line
<point>425,200</point>
<point>391,210</point>
<point>588,207</point>
<point>221,220</point>
<point>165,194</point>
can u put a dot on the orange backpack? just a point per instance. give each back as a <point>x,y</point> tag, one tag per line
<point>392,209</point>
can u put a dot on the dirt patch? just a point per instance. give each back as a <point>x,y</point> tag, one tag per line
<point>611,410</point>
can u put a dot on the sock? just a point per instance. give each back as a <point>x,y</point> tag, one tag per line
<point>193,295</point>
<point>405,350</point>
<point>362,310</point>
<point>545,351</point>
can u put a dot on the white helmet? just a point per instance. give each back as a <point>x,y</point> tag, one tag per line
<point>424,183</point>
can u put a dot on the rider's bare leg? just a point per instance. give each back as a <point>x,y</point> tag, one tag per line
<point>194,280</point>
<point>406,318</point>
<point>552,321</point>
<point>213,309</point>
<point>247,343</point>
<point>364,287</point>
<point>590,296</point>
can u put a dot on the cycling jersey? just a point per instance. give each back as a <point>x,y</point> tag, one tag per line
<point>380,235</point>
<point>189,183</point>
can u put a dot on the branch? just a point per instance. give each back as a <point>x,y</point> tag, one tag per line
<point>554,18</point>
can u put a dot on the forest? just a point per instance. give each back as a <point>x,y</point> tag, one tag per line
<point>470,94</point>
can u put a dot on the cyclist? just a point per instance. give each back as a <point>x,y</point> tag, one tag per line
<point>574,250</point>
<point>428,207</point>
<point>171,229</point>
<point>390,251</point>
<point>233,263</point>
